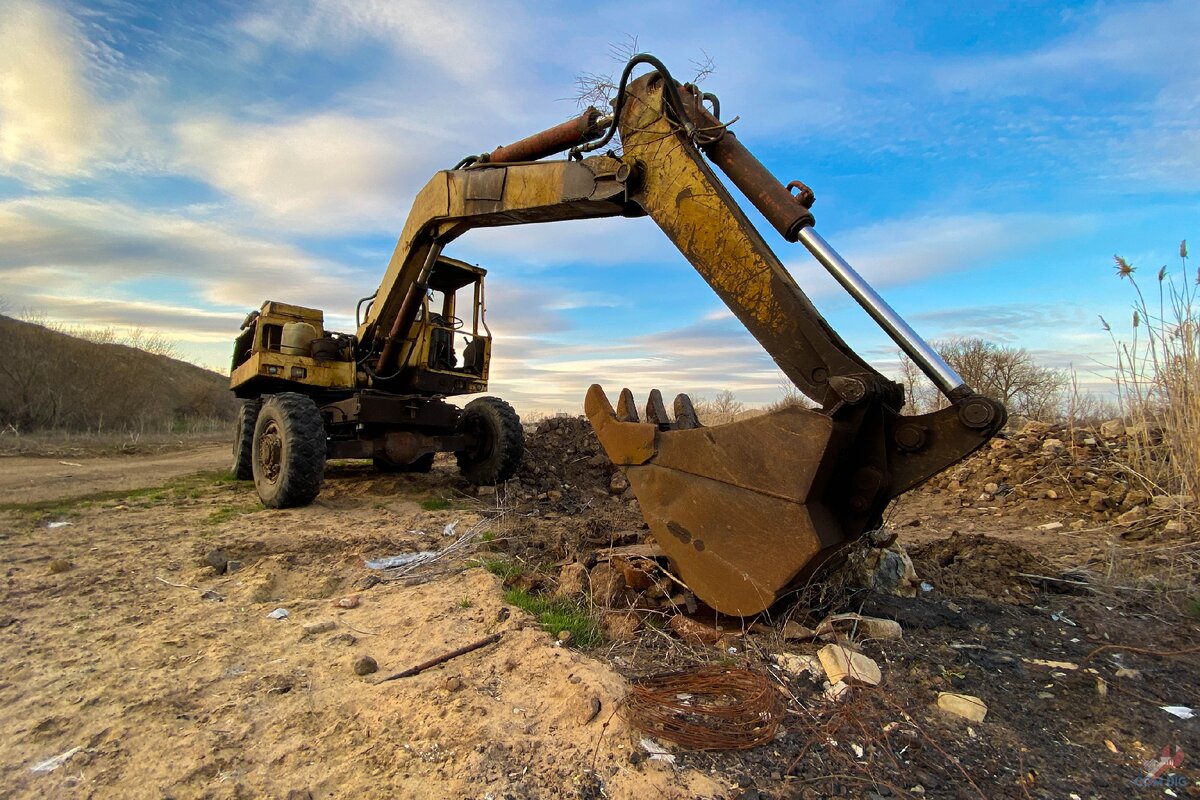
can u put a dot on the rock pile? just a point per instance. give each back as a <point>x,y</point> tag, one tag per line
<point>565,466</point>
<point>1080,470</point>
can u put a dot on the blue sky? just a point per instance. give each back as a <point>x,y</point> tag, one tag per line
<point>172,165</point>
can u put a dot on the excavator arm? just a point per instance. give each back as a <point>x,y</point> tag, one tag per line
<point>748,510</point>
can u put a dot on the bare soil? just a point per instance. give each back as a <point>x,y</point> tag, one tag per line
<point>164,678</point>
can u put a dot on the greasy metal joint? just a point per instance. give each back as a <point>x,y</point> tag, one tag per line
<point>910,438</point>
<point>978,412</point>
<point>852,390</point>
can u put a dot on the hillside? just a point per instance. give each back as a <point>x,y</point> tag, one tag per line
<point>50,380</point>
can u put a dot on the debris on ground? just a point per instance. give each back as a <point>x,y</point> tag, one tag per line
<point>279,613</point>
<point>963,705</point>
<point>708,707</point>
<point>843,664</point>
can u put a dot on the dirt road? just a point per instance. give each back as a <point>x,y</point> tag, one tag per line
<point>33,480</point>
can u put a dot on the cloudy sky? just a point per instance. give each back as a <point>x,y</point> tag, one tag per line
<point>171,165</point>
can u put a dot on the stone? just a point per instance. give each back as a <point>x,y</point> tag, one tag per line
<point>795,632</point>
<point>1175,526</point>
<point>887,570</point>
<point>233,565</point>
<point>618,483</point>
<point>1135,497</point>
<point>365,665</point>
<point>1132,674</point>
<point>991,488</point>
<point>1098,501</point>
<point>453,683</point>
<point>841,663</point>
<point>693,631</point>
<point>865,627</point>
<point>635,578</point>
<point>606,585</point>
<point>1053,446</point>
<point>620,627</point>
<point>799,664</point>
<point>217,559</point>
<point>572,581</point>
<point>963,705</point>
<point>312,629</point>
<point>1163,502</point>
<point>1050,526</point>
<point>835,691</point>
<point>1112,429</point>
<point>59,565</point>
<point>1132,516</point>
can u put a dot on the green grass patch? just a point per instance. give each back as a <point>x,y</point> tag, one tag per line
<point>436,504</point>
<point>556,615</point>
<point>226,513</point>
<point>188,486</point>
<point>500,567</point>
<point>465,603</point>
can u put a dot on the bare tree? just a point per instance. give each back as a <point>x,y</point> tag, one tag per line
<point>1008,374</point>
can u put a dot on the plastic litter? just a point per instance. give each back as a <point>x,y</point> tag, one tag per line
<point>51,764</point>
<point>656,751</point>
<point>449,529</point>
<point>279,613</point>
<point>1183,712</point>
<point>57,524</point>
<point>391,562</point>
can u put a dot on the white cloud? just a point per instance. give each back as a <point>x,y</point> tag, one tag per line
<point>320,173</point>
<point>49,123</point>
<point>1156,39</point>
<point>58,252</point>
<point>465,40</point>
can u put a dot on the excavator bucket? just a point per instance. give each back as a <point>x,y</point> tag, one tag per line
<point>741,509</point>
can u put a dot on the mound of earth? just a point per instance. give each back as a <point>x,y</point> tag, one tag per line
<point>974,565</point>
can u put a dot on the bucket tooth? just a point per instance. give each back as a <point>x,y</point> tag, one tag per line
<point>627,407</point>
<point>656,411</point>
<point>685,413</point>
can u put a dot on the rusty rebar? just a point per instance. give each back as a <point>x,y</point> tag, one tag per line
<point>712,707</point>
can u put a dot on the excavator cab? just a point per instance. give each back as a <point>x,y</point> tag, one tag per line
<point>450,342</point>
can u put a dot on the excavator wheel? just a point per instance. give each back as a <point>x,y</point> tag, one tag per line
<point>498,441</point>
<point>243,440</point>
<point>289,451</point>
<point>422,464</point>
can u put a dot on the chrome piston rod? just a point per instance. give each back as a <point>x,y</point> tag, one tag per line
<point>924,356</point>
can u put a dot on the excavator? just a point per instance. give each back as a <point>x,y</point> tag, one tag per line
<point>744,511</point>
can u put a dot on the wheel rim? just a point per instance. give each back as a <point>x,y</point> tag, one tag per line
<point>270,451</point>
<point>484,436</point>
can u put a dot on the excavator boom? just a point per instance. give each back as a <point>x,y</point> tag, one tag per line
<point>748,510</point>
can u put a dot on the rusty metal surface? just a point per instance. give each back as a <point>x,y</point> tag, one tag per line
<point>561,137</point>
<point>733,506</point>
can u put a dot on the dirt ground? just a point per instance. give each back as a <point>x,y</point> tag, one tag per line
<point>149,673</point>
<point>26,479</point>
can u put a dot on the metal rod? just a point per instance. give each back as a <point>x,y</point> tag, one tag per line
<point>924,356</point>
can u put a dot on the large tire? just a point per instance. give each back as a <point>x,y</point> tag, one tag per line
<point>499,441</point>
<point>243,440</point>
<point>289,451</point>
<point>422,464</point>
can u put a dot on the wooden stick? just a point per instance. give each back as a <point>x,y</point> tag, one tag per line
<point>433,662</point>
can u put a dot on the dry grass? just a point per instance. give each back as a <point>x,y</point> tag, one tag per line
<point>1158,379</point>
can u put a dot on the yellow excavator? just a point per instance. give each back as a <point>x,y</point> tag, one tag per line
<point>744,511</point>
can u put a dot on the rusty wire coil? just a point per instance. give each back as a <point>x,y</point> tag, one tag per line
<point>712,707</point>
